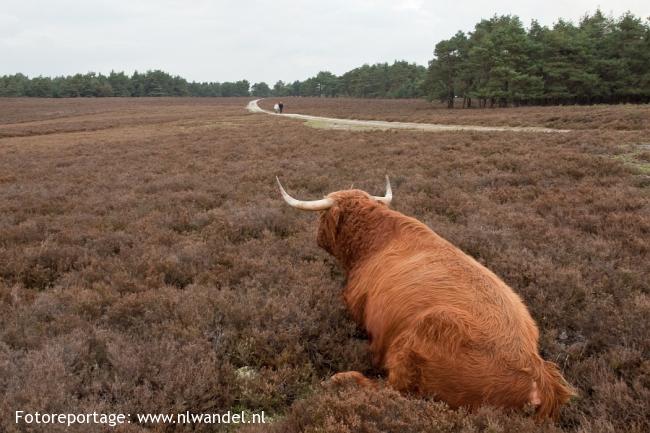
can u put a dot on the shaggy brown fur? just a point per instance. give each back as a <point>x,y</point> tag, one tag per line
<point>439,322</point>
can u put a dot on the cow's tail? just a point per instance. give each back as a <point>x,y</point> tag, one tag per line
<point>553,391</point>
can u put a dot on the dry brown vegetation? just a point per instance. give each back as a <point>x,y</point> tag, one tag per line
<point>606,117</point>
<point>146,259</point>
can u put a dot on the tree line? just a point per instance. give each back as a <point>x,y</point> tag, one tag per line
<point>399,80</point>
<point>381,80</point>
<point>151,83</point>
<point>599,60</point>
<point>500,63</point>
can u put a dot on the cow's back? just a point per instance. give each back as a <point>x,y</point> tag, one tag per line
<point>419,286</point>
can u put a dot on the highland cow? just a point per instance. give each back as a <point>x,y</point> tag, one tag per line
<point>440,324</point>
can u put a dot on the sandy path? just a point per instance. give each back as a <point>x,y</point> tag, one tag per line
<point>334,123</point>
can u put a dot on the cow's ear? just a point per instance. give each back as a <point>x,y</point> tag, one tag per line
<point>335,212</point>
<point>329,227</point>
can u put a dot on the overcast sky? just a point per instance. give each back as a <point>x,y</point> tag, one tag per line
<point>257,40</point>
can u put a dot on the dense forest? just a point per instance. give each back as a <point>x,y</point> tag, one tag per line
<point>399,80</point>
<point>599,60</point>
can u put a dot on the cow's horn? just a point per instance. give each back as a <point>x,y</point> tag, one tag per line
<point>389,194</point>
<point>322,204</point>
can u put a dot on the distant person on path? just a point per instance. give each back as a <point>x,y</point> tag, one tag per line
<point>281,105</point>
<point>277,108</point>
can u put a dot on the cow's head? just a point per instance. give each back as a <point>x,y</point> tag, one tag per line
<point>344,216</point>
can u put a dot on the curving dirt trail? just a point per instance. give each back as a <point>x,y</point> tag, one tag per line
<point>334,123</point>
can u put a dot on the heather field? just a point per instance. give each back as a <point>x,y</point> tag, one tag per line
<point>148,264</point>
<point>605,117</point>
